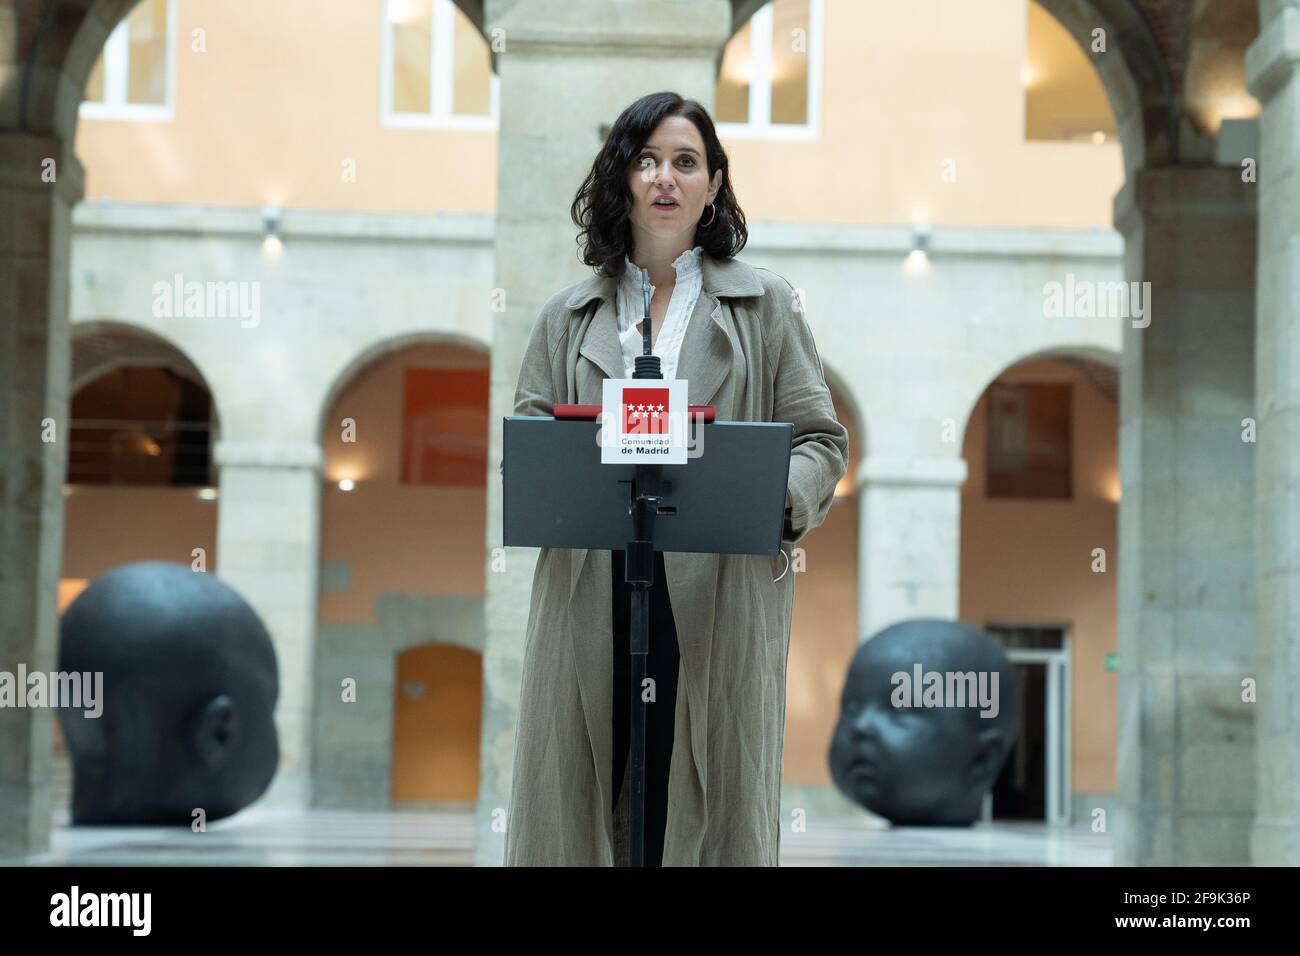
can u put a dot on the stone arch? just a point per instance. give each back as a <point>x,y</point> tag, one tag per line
<point>849,403</point>
<point>1082,353</point>
<point>843,392</point>
<point>353,743</point>
<point>370,352</point>
<point>102,345</point>
<point>1033,555</point>
<point>1137,82</point>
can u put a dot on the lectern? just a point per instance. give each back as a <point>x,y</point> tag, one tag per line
<point>729,499</point>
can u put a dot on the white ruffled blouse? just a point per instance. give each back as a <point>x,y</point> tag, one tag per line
<point>631,310</point>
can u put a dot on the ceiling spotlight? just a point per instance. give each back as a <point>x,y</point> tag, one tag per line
<point>347,484</point>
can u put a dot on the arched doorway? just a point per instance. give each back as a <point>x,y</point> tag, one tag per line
<point>140,480</point>
<point>399,657</point>
<point>1039,543</point>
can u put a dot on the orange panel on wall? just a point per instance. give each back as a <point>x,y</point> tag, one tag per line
<point>444,426</point>
<point>436,718</point>
<point>1029,440</point>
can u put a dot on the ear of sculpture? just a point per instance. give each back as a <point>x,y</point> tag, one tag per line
<point>990,750</point>
<point>214,731</point>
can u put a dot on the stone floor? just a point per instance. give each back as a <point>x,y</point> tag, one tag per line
<point>445,838</point>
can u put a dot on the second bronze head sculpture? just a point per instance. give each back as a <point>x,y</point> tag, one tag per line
<point>927,718</point>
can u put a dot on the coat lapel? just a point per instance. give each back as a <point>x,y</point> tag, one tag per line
<point>600,344</point>
<point>705,358</point>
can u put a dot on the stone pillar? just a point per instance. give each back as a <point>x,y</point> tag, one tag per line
<point>909,540</point>
<point>35,356</point>
<point>268,550</point>
<point>1273,68</point>
<point>567,66</point>
<point>1186,520</point>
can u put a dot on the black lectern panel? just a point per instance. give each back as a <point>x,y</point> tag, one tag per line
<point>723,502</point>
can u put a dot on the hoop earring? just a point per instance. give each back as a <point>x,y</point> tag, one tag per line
<point>705,225</point>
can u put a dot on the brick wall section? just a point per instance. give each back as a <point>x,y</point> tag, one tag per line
<point>1170,22</point>
<point>27,16</point>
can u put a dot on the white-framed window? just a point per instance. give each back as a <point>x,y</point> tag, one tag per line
<point>769,86</point>
<point>437,68</point>
<point>135,75</point>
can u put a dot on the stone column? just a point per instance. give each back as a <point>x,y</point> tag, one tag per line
<point>1186,520</point>
<point>909,540</point>
<point>1273,67</point>
<point>268,550</point>
<point>40,181</point>
<point>566,67</point>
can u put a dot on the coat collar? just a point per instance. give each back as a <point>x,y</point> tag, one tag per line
<point>722,277</point>
<point>707,351</point>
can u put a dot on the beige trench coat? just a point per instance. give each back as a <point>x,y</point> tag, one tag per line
<point>748,351</point>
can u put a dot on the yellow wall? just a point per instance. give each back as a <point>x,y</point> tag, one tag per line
<point>904,93</point>
<point>284,95</point>
<point>105,526</point>
<point>1064,95</point>
<point>1028,561</point>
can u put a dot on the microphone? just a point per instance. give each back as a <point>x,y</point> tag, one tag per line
<point>647,363</point>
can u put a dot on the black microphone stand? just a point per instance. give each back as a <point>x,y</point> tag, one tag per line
<point>646,493</point>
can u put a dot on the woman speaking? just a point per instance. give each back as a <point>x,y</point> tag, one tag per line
<point>659,197</point>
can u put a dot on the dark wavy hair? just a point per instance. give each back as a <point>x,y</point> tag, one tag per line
<point>602,208</point>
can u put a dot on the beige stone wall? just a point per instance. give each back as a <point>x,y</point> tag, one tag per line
<point>283,96</point>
